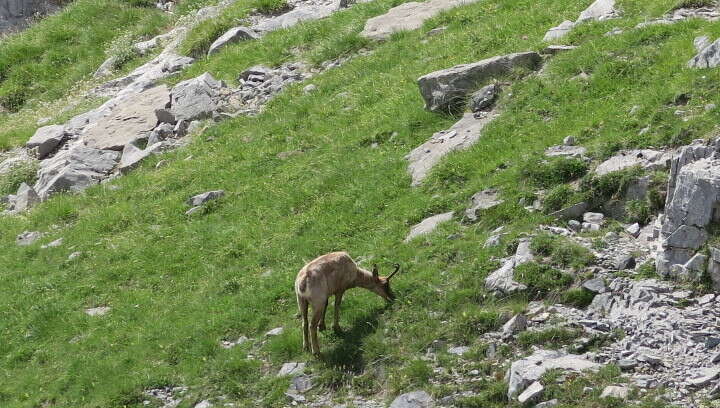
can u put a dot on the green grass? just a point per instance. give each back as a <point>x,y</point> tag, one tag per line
<point>178,285</point>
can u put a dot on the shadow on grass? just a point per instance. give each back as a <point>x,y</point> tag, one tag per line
<point>347,354</point>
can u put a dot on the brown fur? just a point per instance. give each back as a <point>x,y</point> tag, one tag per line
<point>331,275</point>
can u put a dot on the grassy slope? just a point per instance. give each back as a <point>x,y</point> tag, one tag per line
<point>178,285</point>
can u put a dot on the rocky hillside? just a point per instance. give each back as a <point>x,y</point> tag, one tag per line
<point>547,176</point>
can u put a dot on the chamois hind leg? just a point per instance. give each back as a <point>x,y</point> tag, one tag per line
<point>318,307</point>
<point>303,306</point>
<point>336,322</point>
<point>322,319</point>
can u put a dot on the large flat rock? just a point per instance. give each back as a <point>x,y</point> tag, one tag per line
<point>460,136</point>
<point>447,89</point>
<point>407,16</point>
<point>133,118</point>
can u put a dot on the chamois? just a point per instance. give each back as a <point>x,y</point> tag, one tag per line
<point>328,275</point>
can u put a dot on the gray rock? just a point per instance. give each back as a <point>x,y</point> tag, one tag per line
<point>624,262</point>
<point>692,206</point>
<point>291,369</point>
<point>74,255</point>
<point>569,141</point>
<point>523,253</point>
<point>415,399</point>
<point>702,42</point>
<point>705,377</point>
<point>515,325</point>
<point>502,280</point>
<point>132,119</point>
<point>531,393</point>
<point>196,98</point>
<point>407,16</point>
<point>525,371</point>
<point>46,139</point>
<point>557,49</point>
<point>256,71</point>
<point>613,391</point>
<point>233,35</point>
<point>203,198</point>
<point>566,151</point>
<point>97,311</point>
<point>28,238</point>
<point>54,244</point>
<point>428,225</point>
<point>627,365</point>
<point>573,212</point>
<point>560,31</point>
<point>599,10</point>
<point>133,156</point>
<point>74,170</point>
<point>548,404</point>
<point>633,230</point>
<point>596,285</point>
<point>294,17</point>
<point>275,332</point>
<point>25,198</point>
<point>594,218</point>
<point>646,159</point>
<point>575,225</point>
<point>164,115</point>
<point>310,88</point>
<point>460,136</point>
<point>194,210</point>
<point>446,90</point>
<point>482,200</point>
<point>708,57</point>
<point>484,98</point>
<point>203,404</point>
<point>493,241</point>
<point>459,350</point>
<point>106,68</point>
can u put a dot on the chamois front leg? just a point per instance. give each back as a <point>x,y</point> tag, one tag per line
<point>338,301</point>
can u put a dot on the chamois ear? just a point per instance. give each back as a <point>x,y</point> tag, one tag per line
<point>375,271</point>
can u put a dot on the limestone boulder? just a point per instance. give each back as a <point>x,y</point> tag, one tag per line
<point>415,399</point>
<point>407,16</point>
<point>708,56</point>
<point>647,159</point>
<point>132,119</point>
<point>234,35</point>
<point>463,134</point>
<point>428,225</point>
<point>196,98</point>
<point>446,90</point>
<point>46,139</point>
<point>74,169</point>
<point>526,371</point>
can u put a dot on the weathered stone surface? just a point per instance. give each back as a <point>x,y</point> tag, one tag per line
<point>294,17</point>
<point>28,238</point>
<point>560,31</point>
<point>482,200</point>
<point>74,169</point>
<point>694,204</point>
<point>646,159</point>
<point>707,57</point>
<point>614,391</point>
<point>566,151</point>
<point>195,98</point>
<point>415,399</point>
<point>428,225</point>
<point>203,198</point>
<point>132,156</point>
<point>232,36</point>
<point>460,136</point>
<point>458,350</point>
<point>407,16</point>
<point>46,139</point>
<point>134,118</point>
<point>574,212</point>
<point>599,10</point>
<point>548,404</point>
<point>531,393</point>
<point>594,218</point>
<point>515,325</point>
<point>292,369</point>
<point>502,280</point>
<point>484,98</point>
<point>524,372</point>
<point>557,49</point>
<point>25,198</point>
<point>15,14</point>
<point>596,285</point>
<point>98,311</point>
<point>446,90</point>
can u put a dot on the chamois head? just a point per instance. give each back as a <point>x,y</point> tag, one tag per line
<point>382,284</point>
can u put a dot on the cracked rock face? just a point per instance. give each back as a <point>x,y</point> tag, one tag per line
<point>526,371</point>
<point>447,89</point>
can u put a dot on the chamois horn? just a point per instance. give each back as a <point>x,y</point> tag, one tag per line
<point>397,268</point>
